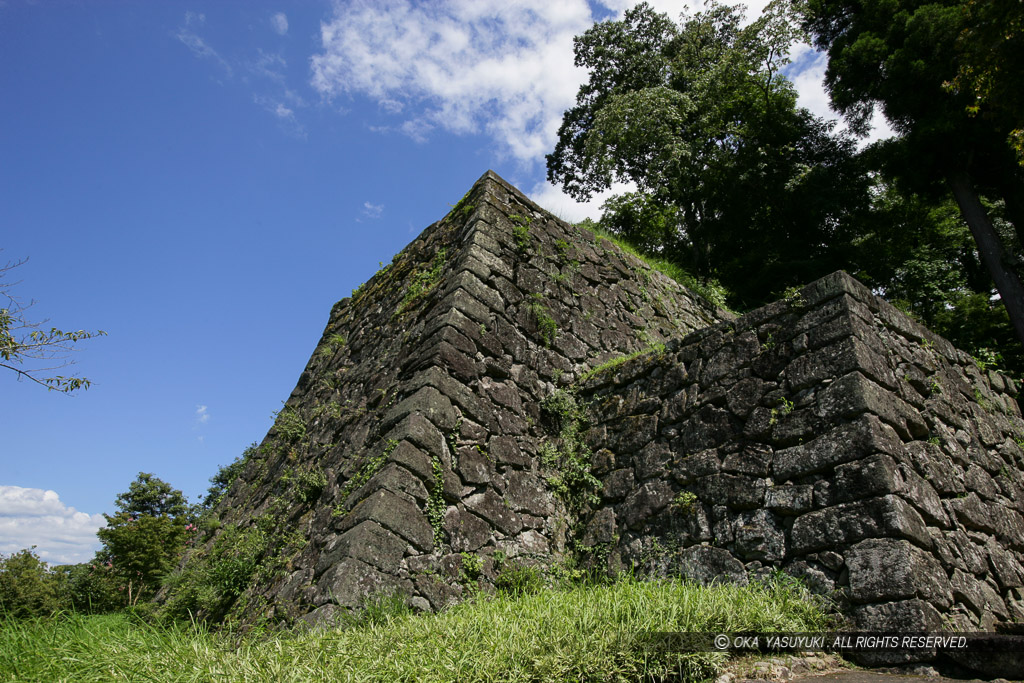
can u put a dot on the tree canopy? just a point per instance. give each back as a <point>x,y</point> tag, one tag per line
<point>953,97</point>
<point>144,538</point>
<point>700,118</point>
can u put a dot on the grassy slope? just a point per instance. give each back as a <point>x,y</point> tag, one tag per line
<point>584,633</point>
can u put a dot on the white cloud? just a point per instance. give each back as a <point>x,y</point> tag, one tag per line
<point>472,67</point>
<point>808,75</point>
<point>285,114</point>
<point>188,36</point>
<point>202,414</point>
<point>372,210</point>
<point>502,69</point>
<point>269,65</point>
<point>279,22</point>
<point>38,517</point>
<point>568,209</point>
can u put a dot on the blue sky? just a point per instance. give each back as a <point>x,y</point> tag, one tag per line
<point>204,180</point>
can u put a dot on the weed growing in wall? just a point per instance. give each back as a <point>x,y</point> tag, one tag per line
<point>215,576</point>
<point>289,425</point>
<point>226,475</point>
<point>462,209</point>
<point>568,457</point>
<point>333,344</point>
<point>368,469</point>
<point>547,328</point>
<point>783,408</point>
<point>424,281</point>
<point>655,348</point>
<point>708,288</point>
<point>521,231</point>
<point>684,502</point>
<point>309,484</point>
<point>435,504</point>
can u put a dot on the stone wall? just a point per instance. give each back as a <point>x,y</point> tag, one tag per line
<point>513,390</point>
<point>418,418</point>
<point>826,435</point>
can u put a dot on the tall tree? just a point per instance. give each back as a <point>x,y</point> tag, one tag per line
<point>145,536</point>
<point>908,57</point>
<point>922,256</point>
<point>700,118</point>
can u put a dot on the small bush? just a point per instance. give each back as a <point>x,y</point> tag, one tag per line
<point>309,485</point>
<point>290,426</point>
<point>519,580</point>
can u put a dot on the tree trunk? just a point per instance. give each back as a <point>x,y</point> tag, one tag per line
<point>990,248</point>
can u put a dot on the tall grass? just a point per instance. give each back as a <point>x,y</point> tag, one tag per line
<point>585,633</point>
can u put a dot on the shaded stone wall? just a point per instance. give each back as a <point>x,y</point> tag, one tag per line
<point>419,409</point>
<point>828,436</point>
<point>825,435</point>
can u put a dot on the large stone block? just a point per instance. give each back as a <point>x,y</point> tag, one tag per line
<point>708,565</point>
<point>887,569</point>
<point>396,514</point>
<point>854,394</point>
<point>888,516</point>
<point>842,444</point>
<point>644,502</point>
<point>367,542</point>
<point>759,537</point>
<point>428,402</point>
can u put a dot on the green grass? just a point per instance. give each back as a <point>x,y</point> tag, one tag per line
<point>582,633</point>
<point>612,363</point>
<point>710,289</point>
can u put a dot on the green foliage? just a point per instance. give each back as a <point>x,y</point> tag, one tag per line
<point>983,402</point>
<point>144,539</point>
<point>567,457</point>
<point>921,61</point>
<point>226,475</point>
<point>424,281</point>
<point>435,503</point>
<point>334,343</point>
<point>581,633</point>
<point>88,588</point>
<point>379,610</point>
<point>31,351</point>
<point>921,255</point>
<point>289,425</point>
<point>547,328</point>
<point>309,484</point>
<point>783,408</point>
<point>367,470</point>
<point>521,231</point>
<point>471,568</point>
<point>684,502</point>
<point>988,57</point>
<point>517,579</point>
<point>28,588</point>
<point>734,180</point>
<point>657,348</point>
<point>707,287</point>
<point>463,208</point>
<point>214,577</point>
